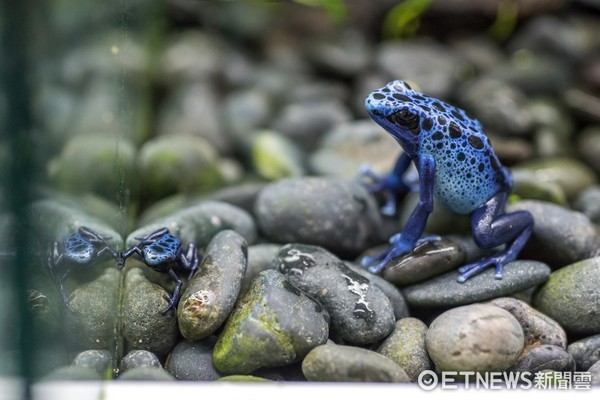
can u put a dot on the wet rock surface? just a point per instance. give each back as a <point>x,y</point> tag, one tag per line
<point>360,312</point>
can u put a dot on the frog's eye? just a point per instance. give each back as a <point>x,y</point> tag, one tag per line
<point>407,119</point>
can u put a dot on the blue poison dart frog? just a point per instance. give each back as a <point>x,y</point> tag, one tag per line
<point>161,251</point>
<point>456,163</point>
<point>78,249</point>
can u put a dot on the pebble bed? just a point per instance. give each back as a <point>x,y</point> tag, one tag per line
<point>243,132</point>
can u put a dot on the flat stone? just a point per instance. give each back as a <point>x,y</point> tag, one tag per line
<point>586,352</point>
<point>445,290</point>
<point>476,337</point>
<point>338,363</point>
<point>193,361</point>
<point>544,357</point>
<point>571,296</point>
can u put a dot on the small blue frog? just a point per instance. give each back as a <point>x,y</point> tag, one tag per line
<point>78,249</point>
<point>456,163</point>
<point>161,251</point>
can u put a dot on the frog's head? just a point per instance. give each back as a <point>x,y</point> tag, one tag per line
<point>395,108</point>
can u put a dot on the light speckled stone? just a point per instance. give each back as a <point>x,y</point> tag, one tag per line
<point>477,337</point>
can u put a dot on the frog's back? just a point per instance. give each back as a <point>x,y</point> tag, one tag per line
<point>468,172</point>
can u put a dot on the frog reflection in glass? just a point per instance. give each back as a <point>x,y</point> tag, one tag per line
<point>456,163</point>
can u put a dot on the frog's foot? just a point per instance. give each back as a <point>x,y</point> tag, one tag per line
<point>398,247</point>
<point>498,262</point>
<point>172,303</point>
<point>391,186</point>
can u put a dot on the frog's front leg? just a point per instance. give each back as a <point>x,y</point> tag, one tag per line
<point>405,241</point>
<point>174,299</point>
<point>392,185</point>
<point>190,261</point>
<point>492,227</point>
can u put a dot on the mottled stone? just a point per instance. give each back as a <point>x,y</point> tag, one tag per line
<point>337,363</point>
<point>538,328</point>
<point>139,359</point>
<point>338,215</point>
<point>393,294</point>
<point>144,325</point>
<point>560,236</point>
<point>543,357</point>
<point>99,360</point>
<point>406,347</point>
<point>260,258</point>
<point>198,223</point>
<point>477,337</point>
<point>145,374</point>
<point>360,312</point>
<point>178,164</point>
<point>445,290</point>
<point>570,174</point>
<point>426,260</point>
<point>595,372</point>
<point>571,296</point>
<point>588,144</point>
<point>94,308</point>
<point>213,290</point>
<point>87,164</point>
<point>588,203</point>
<point>193,361</point>
<point>273,324</point>
<point>586,352</point>
<point>274,156</point>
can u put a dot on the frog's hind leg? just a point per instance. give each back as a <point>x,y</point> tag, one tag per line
<point>493,227</point>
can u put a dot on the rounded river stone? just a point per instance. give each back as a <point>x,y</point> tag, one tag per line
<point>360,312</point>
<point>545,357</point>
<point>406,347</point>
<point>538,328</point>
<point>146,374</point>
<point>273,324</point>
<point>426,260</point>
<point>100,360</point>
<point>586,352</point>
<point>338,215</point>
<point>212,292</point>
<point>139,359</point>
<point>193,361</point>
<point>476,337</point>
<point>571,296</point>
<point>560,236</point>
<point>144,325</point>
<point>445,290</point>
<point>338,363</point>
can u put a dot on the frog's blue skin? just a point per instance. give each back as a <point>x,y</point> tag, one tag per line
<point>456,163</point>
<point>78,250</point>
<point>161,251</point>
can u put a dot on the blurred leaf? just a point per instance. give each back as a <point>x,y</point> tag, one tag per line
<point>506,20</point>
<point>336,9</point>
<point>404,19</point>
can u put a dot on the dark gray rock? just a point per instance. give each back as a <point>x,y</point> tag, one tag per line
<point>337,363</point>
<point>560,236</point>
<point>273,324</point>
<point>538,328</point>
<point>421,61</point>
<point>392,292</point>
<point>445,290</point>
<point>476,337</point>
<point>426,260</point>
<point>306,122</point>
<point>345,57</point>
<point>145,374</point>
<point>595,371</point>
<point>544,357</point>
<point>571,296</point>
<point>588,202</point>
<point>588,144</point>
<point>360,312</point>
<point>213,290</point>
<point>193,361</point>
<point>144,325</point>
<point>139,359</point>
<point>260,258</point>
<point>586,352</point>
<point>338,215</point>
<point>349,145</point>
<point>99,360</point>
<point>406,347</point>
<point>245,111</point>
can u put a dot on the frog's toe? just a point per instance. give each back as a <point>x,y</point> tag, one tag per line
<point>475,268</point>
